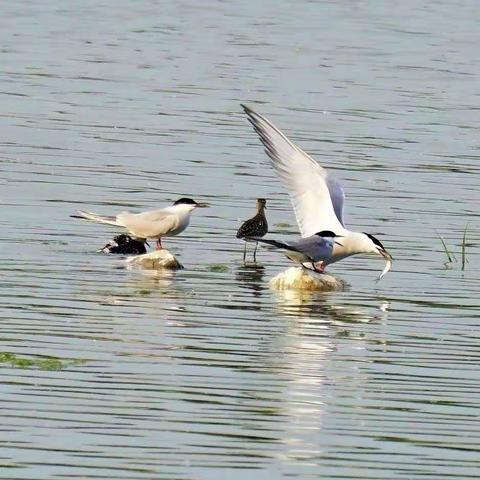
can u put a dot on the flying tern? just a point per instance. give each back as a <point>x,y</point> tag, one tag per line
<point>167,222</point>
<point>310,250</point>
<point>317,198</point>
<point>257,226</point>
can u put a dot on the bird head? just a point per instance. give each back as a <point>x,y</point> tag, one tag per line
<point>261,204</point>
<point>189,204</point>
<point>329,234</point>
<point>373,245</point>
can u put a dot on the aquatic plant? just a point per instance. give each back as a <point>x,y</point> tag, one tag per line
<point>449,253</point>
<point>45,363</point>
<point>218,268</point>
<point>464,249</point>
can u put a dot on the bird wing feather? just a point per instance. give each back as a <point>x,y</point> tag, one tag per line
<point>94,217</point>
<point>317,198</point>
<point>315,247</point>
<point>156,223</point>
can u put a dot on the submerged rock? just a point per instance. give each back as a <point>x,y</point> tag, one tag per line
<point>156,260</point>
<point>295,278</point>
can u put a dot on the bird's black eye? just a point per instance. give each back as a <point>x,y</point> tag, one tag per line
<point>325,233</point>
<point>376,241</point>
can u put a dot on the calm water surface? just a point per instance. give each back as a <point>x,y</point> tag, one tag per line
<point>206,373</point>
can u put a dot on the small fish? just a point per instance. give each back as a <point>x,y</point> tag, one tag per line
<point>388,266</point>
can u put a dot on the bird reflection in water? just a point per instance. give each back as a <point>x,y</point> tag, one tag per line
<point>316,304</point>
<point>250,276</point>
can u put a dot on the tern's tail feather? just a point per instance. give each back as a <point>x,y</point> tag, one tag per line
<point>96,218</point>
<point>274,243</point>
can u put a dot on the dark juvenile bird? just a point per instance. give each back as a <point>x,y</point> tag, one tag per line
<point>124,244</point>
<point>256,226</point>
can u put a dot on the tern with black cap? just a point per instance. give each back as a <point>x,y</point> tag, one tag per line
<point>317,198</point>
<point>313,250</point>
<point>166,222</point>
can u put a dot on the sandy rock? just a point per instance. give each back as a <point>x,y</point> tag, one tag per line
<point>295,278</point>
<point>156,260</point>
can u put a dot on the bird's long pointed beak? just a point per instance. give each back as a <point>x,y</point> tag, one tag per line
<point>202,205</point>
<point>385,255</point>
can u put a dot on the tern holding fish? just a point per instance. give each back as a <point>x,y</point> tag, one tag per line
<point>317,198</point>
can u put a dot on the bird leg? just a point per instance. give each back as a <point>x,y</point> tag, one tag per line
<point>255,252</point>
<point>158,244</point>
<point>244,252</point>
<point>318,267</point>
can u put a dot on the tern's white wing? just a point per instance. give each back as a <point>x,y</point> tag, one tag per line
<point>149,224</point>
<point>317,198</point>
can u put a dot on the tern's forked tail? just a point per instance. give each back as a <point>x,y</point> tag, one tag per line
<point>110,220</point>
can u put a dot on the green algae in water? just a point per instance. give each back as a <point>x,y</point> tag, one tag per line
<point>218,267</point>
<point>46,363</point>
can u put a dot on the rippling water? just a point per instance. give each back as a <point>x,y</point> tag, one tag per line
<point>206,373</point>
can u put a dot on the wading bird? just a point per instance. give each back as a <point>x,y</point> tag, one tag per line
<point>257,226</point>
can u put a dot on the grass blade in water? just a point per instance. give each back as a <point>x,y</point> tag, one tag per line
<point>464,251</point>
<point>450,256</point>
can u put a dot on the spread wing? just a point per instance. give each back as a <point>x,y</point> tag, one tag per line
<point>149,224</point>
<point>317,198</point>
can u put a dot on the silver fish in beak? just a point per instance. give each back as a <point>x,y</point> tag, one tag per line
<point>388,263</point>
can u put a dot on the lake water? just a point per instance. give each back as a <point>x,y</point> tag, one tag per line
<point>206,373</point>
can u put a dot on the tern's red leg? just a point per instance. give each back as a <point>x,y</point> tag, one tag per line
<point>319,267</point>
<point>159,244</point>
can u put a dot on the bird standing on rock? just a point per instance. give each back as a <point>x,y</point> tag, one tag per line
<point>257,226</point>
<point>167,222</point>
<point>313,250</point>
<point>316,196</point>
